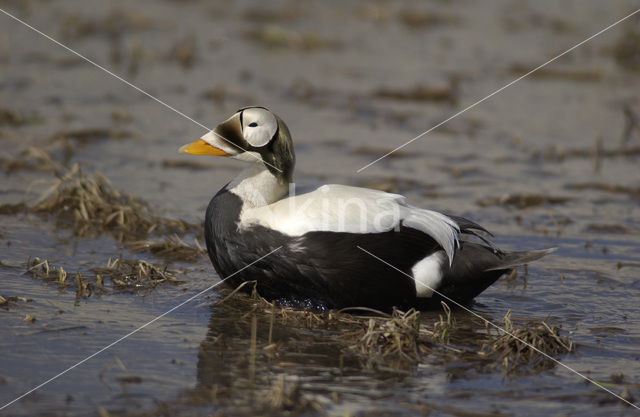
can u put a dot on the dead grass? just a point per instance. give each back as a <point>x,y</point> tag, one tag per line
<point>91,206</point>
<point>402,339</point>
<point>522,201</point>
<point>437,93</point>
<point>134,274</point>
<point>12,300</point>
<point>626,51</point>
<point>15,118</point>
<point>397,336</point>
<point>277,37</point>
<point>41,269</point>
<point>632,192</point>
<point>515,356</point>
<point>172,248</point>
<point>113,24</point>
<point>124,274</point>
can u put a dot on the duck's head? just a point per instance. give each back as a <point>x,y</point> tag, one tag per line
<point>254,135</point>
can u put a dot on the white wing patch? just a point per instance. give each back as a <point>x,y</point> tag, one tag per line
<point>340,208</point>
<point>428,274</point>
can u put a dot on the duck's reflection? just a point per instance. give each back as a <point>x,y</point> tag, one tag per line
<point>256,353</point>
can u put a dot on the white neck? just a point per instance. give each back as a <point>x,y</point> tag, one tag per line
<point>257,186</point>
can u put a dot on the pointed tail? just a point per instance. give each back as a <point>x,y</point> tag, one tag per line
<point>513,259</point>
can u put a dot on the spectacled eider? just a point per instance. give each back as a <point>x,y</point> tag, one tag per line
<point>324,233</point>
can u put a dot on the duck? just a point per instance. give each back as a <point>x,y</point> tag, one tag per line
<point>334,246</point>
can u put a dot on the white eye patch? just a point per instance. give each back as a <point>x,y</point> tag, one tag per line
<point>258,126</point>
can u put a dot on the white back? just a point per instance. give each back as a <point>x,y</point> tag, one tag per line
<point>341,208</point>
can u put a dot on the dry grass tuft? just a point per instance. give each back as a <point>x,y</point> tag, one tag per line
<point>125,274</point>
<point>171,248</point>
<point>41,269</point>
<point>514,355</point>
<point>91,206</point>
<point>394,337</point>
<point>134,274</point>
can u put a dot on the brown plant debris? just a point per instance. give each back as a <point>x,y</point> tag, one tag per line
<point>223,94</point>
<point>12,300</point>
<point>627,50</point>
<point>521,201</point>
<point>418,19</point>
<point>633,192</point>
<point>275,36</point>
<point>184,52</point>
<point>91,206</point>
<point>113,24</point>
<point>84,136</point>
<point>524,349</point>
<point>41,269</point>
<point>135,274</point>
<point>171,248</point>
<point>11,209</point>
<point>609,228</point>
<point>446,92</point>
<point>399,336</point>
<point>31,158</point>
<point>14,118</point>
<point>573,74</point>
<point>554,153</point>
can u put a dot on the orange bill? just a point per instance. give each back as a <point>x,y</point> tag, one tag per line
<point>200,147</point>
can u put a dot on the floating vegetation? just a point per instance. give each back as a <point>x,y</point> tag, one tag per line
<point>113,24</point>
<point>553,153</point>
<point>171,248</point>
<point>11,209</point>
<point>397,336</point>
<point>553,73</point>
<point>12,300</point>
<point>609,228</point>
<point>627,50</point>
<point>184,52</point>
<point>445,92</point>
<point>275,36</point>
<point>418,19</point>
<point>32,158</point>
<point>632,192</point>
<point>123,273</point>
<point>91,206</point>
<point>14,118</point>
<point>41,269</point>
<point>521,348</point>
<point>522,201</point>
<point>419,93</point>
<point>134,274</point>
<point>84,136</point>
<point>224,94</point>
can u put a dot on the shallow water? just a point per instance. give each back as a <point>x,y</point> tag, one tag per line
<point>329,73</point>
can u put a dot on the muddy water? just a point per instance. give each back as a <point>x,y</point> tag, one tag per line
<point>550,161</point>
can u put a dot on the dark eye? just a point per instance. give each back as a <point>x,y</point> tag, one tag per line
<point>254,124</point>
